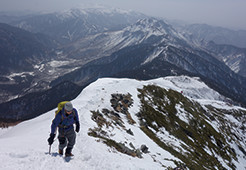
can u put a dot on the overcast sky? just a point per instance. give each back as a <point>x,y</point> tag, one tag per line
<point>225,13</point>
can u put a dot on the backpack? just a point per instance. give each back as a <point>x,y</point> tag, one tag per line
<point>60,107</point>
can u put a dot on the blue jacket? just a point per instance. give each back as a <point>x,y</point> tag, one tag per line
<point>63,121</point>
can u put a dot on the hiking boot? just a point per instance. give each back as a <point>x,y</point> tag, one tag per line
<point>60,152</point>
<point>68,154</point>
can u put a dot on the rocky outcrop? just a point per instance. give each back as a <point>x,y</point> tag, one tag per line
<point>121,103</point>
<point>106,119</point>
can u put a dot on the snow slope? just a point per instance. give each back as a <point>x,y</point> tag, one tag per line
<point>25,145</point>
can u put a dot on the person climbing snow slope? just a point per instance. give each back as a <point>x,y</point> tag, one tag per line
<point>64,120</point>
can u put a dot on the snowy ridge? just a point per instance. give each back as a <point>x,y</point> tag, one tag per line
<point>234,62</point>
<point>97,9</point>
<point>143,32</point>
<point>155,54</point>
<point>153,27</point>
<point>25,145</point>
<point>194,88</point>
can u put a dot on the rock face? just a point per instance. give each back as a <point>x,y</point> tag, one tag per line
<point>121,103</point>
<point>112,119</point>
<point>144,148</point>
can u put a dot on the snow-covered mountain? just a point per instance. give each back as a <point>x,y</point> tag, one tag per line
<point>204,32</point>
<point>226,45</point>
<point>232,56</point>
<point>130,124</point>
<point>70,25</point>
<point>146,49</point>
<point>31,63</point>
<point>144,31</point>
<point>151,48</point>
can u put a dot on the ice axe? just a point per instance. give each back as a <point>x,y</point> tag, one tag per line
<point>49,149</point>
<point>51,140</point>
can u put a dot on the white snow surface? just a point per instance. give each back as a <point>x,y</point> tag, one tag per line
<point>25,146</point>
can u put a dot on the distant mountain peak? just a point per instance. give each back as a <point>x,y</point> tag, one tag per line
<point>156,26</point>
<point>154,31</point>
<point>77,12</point>
<point>153,22</point>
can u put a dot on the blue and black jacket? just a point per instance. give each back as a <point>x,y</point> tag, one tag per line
<point>64,121</point>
